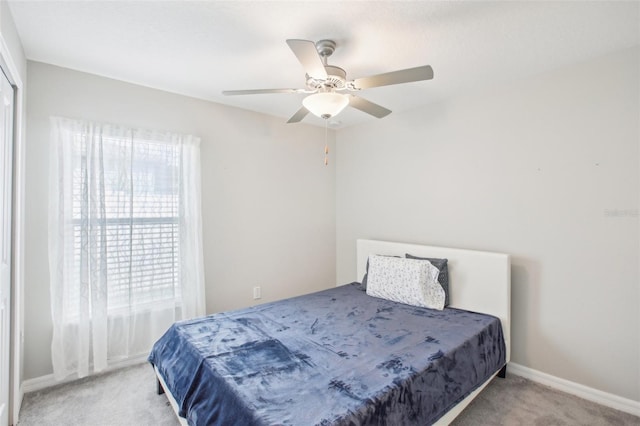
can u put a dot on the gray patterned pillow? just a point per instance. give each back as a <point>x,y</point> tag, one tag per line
<point>409,281</point>
<point>443,277</point>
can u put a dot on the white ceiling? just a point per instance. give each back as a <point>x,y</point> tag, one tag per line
<point>201,48</point>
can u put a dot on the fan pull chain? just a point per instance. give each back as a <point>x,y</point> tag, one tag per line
<point>326,143</point>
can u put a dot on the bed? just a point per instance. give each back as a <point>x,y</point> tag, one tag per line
<point>340,356</point>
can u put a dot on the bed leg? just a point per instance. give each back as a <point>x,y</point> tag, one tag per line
<point>160,389</point>
<point>503,372</point>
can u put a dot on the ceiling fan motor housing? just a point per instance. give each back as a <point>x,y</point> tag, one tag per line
<point>336,79</point>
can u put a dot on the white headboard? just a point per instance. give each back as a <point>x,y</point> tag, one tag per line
<point>479,281</point>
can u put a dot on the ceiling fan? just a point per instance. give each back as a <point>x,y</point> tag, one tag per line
<point>326,83</point>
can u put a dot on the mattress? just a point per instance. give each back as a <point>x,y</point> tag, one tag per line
<point>336,357</point>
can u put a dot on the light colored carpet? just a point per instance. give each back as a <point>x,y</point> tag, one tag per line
<point>518,401</point>
<point>122,397</point>
<point>128,397</point>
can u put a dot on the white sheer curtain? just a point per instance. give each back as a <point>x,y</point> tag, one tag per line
<point>125,241</point>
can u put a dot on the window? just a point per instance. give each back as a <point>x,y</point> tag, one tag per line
<point>125,241</point>
<point>140,220</point>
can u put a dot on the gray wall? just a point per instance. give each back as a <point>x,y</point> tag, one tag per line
<point>546,170</point>
<point>268,201</point>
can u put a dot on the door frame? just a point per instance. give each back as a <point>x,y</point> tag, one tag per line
<point>16,393</point>
<point>7,109</point>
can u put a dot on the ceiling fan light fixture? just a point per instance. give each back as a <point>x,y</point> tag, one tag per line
<point>325,104</point>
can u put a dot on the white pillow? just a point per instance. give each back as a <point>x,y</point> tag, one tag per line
<point>410,281</point>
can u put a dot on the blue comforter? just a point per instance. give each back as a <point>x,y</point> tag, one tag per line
<point>333,357</point>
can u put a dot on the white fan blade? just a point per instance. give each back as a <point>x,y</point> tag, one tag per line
<point>298,116</point>
<point>367,106</point>
<point>260,91</point>
<point>395,77</point>
<point>305,51</point>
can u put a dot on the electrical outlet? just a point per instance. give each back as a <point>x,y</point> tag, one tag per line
<point>256,293</point>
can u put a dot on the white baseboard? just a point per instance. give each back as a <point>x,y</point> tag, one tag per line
<point>46,381</point>
<point>603,398</point>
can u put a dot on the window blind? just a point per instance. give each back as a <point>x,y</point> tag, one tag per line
<point>137,227</point>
